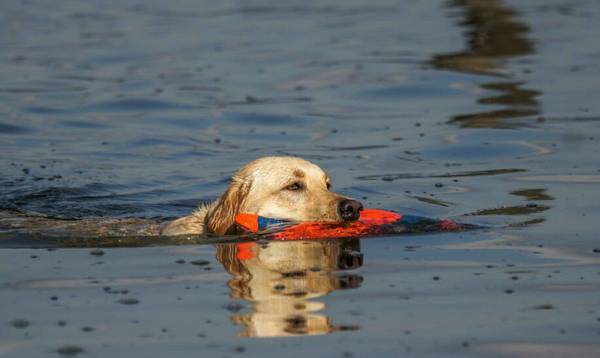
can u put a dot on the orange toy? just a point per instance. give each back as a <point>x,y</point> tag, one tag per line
<point>371,222</point>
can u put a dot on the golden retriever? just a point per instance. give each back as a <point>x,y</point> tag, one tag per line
<point>287,188</point>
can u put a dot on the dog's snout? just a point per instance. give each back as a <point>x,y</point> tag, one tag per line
<point>349,209</point>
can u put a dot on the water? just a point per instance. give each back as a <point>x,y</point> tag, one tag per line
<point>139,111</point>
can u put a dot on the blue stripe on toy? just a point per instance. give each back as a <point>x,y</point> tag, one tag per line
<point>264,222</point>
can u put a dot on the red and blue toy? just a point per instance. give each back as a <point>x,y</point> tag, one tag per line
<point>372,222</point>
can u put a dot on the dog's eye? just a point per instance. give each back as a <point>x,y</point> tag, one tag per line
<point>295,186</point>
<point>328,185</point>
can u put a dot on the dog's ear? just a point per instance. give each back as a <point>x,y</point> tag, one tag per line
<point>221,219</point>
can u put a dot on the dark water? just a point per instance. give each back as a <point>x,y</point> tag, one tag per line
<point>484,111</point>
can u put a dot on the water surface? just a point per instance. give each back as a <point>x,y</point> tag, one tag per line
<point>482,111</point>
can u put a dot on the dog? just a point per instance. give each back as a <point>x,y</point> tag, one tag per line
<point>286,188</point>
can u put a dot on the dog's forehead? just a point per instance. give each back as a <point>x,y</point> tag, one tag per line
<point>283,167</point>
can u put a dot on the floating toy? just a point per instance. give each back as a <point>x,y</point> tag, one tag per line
<point>372,222</point>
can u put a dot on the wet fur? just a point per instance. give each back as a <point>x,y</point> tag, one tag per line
<point>257,188</point>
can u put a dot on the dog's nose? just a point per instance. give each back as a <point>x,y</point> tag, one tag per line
<point>349,209</point>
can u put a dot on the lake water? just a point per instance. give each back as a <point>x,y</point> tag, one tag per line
<point>482,111</point>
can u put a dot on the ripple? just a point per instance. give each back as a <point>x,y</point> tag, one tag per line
<point>93,199</point>
<point>46,110</point>
<point>432,201</point>
<point>479,151</point>
<point>511,210</point>
<point>533,194</point>
<point>563,178</point>
<point>265,119</point>
<point>137,104</point>
<point>412,91</point>
<point>123,105</point>
<point>82,124</point>
<point>251,100</point>
<point>472,173</point>
<point>12,129</point>
<point>43,88</point>
<point>361,147</point>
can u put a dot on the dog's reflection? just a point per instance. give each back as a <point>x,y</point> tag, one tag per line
<point>280,278</point>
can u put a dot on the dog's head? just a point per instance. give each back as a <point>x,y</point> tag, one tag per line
<point>284,188</point>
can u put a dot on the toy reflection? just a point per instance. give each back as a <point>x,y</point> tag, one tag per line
<point>281,279</point>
